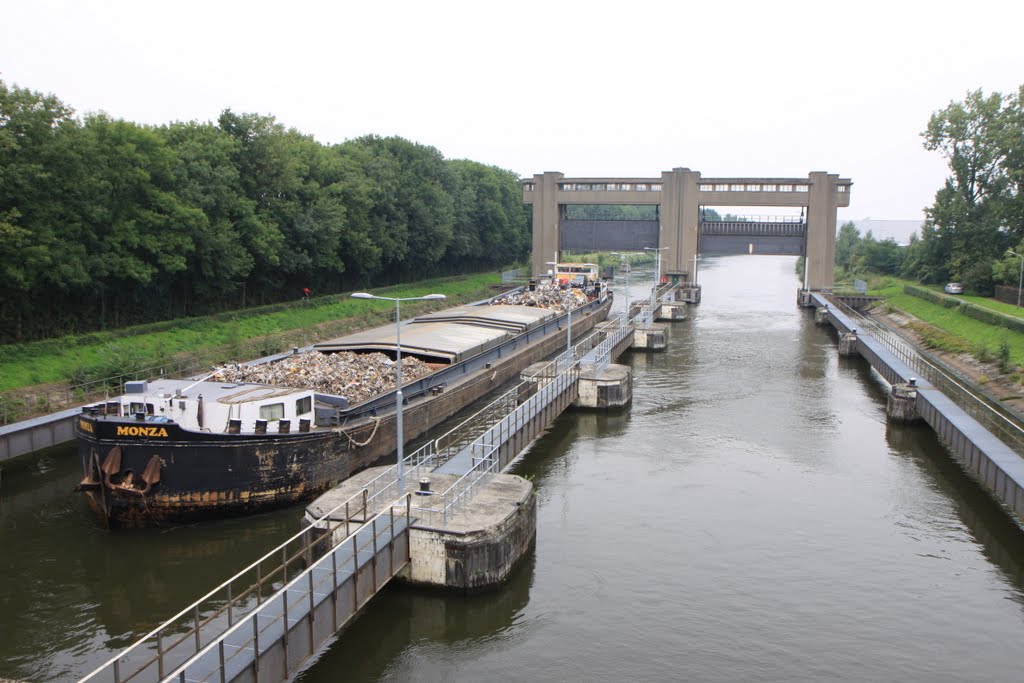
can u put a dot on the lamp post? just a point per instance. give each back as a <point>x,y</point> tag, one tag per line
<point>398,376</point>
<point>657,266</point>
<point>568,329</point>
<point>622,260</point>
<point>1020,281</point>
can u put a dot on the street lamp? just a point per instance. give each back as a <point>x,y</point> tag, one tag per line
<point>1020,281</point>
<point>622,260</point>
<point>568,329</point>
<point>657,267</point>
<point>398,379</point>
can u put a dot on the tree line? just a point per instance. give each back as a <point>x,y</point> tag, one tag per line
<point>978,214</point>
<point>106,223</point>
<point>975,225</point>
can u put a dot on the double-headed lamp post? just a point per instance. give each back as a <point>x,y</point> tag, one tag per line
<point>1020,281</point>
<point>568,333</point>
<point>398,376</point>
<point>622,260</point>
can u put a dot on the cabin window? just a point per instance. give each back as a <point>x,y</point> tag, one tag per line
<point>150,409</point>
<point>274,411</point>
<point>137,408</point>
<point>303,405</point>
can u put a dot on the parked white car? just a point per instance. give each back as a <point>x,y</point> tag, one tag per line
<point>954,288</point>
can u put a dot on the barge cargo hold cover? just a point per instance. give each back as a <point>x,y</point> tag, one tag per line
<point>172,451</point>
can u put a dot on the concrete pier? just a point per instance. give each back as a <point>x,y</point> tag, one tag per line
<point>611,387</point>
<point>476,548</point>
<point>902,403</point>
<point>672,312</point>
<point>689,294</point>
<point>650,337</point>
<point>821,315</point>
<point>848,343</point>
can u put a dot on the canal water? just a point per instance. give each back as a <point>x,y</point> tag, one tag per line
<point>750,517</point>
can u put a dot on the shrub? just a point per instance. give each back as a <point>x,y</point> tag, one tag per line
<point>1004,356</point>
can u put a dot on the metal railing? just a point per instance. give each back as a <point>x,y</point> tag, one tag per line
<point>510,276</point>
<point>487,429</point>
<point>1003,425</point>
<point>435,453</point>
<point>193,628</point>
<point>753,218</point>
<point>601,355</point>
<point>484,450</point>
<point>18,405</point>
<point>239,645</point>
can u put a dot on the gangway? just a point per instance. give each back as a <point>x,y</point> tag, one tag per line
<point>315,586</point>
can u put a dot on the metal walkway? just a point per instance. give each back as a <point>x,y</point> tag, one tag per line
<point>234,633</point>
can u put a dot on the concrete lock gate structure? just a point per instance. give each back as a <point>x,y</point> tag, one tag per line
<point>679,195</point>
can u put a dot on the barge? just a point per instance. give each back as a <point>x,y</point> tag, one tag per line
<point>176,450</point>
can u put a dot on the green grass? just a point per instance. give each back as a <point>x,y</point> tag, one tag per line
<point>886,286</point>
<point>239,336</point>
<point>955,331</point>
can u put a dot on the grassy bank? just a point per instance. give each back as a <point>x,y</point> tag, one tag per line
<point>217,339</point>
<point>949,329</point>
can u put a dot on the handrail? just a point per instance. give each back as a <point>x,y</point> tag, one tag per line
<point>461,491</point>
<point>294,585</point>
<point>976,406</point>
<point>193,611</point>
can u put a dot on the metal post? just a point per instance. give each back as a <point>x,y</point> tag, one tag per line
<point>400,471</point>
<point>355,574</point>
<point>256,646</point>
<point>312,610</point>
<point>284,635</point>
<point>398,396</point>
<point>196,615</point>
<point>160,653</point>
<point>568,336</point>
<point>373,526</point>
<point>334,590</point>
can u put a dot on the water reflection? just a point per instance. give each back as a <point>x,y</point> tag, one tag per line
<point>405,628</point>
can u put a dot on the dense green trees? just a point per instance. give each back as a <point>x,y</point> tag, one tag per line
<point>860,255</point>
<point>979,213</point>
<point>106,222</point>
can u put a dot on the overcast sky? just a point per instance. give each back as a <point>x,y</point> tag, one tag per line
<point>727,88</point>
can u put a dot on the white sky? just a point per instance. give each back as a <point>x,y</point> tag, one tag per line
<point>595,88</point>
